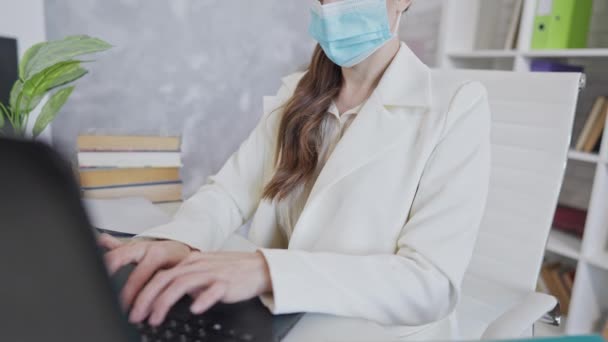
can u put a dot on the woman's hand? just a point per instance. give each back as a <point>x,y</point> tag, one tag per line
<point>150,256</point>
<point>208,278</point>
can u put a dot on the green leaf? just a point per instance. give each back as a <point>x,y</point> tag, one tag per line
<point>3,112</point>
<point>63,50</point>
<point>27,57</point>
<point>50,109</point>
<point>63,75</point>
<point>15,94</point>
<point>52,77</point>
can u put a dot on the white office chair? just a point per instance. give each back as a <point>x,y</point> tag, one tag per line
<point>532,118</point>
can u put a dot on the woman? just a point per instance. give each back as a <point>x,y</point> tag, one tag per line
<point>366,179</point>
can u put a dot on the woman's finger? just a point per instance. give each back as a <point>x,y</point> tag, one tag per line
<point>143,303</point>
<point>140,276</point>
<point>174,292</point>
<point>108,241</point>
<point>207,298</point>
<point>198,256</point>
<point>124,255</point>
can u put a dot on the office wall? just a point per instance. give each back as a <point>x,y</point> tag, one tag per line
<point>25,21</point>
<point>198,68</point>
<point>420,29</point>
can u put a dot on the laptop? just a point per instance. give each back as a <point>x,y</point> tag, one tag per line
<point>54,285</point>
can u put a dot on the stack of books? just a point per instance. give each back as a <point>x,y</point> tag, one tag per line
<point>130,166</point>
<point>557,279</point>
<point>590,138</point>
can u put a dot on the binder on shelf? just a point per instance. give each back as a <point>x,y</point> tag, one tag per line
<point>562,24</point>
<point>542,65</point>
<point>514,25</point>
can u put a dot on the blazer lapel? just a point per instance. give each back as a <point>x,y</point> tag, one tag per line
<point>374,129</point>
<point>389,113</point>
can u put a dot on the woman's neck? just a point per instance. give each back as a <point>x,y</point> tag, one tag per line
<point>361,80</point>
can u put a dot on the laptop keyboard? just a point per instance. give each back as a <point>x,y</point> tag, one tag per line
<point>191,329</point>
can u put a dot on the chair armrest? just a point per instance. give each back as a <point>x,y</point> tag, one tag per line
<point>520,317</point>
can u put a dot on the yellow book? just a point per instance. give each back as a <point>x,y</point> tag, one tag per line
<point>128,143</point>
<point>596,130</point>
<point>596,111</point>
<point>93,178</point>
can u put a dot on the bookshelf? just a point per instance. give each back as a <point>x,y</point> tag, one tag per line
<point>469,40</point>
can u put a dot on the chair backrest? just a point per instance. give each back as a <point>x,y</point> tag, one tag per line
<point>532,118</point>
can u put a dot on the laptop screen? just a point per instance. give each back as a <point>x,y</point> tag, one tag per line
<point>8,67</point>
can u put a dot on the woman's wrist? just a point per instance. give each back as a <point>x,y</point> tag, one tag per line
<point>265,271</point>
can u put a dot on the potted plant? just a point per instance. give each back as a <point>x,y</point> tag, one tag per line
<point>46,68</point>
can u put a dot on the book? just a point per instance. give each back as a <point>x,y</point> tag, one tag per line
<point>596,130</point>
<point>91,178</point>
<point>543,65</point>
<point>128,143</point>
<point>168,192</point>
<point>567,279</point>
<point>596,111</point>
<point>513,32</point>
<point>551,276</point>
<point>495,24</point>
<point>598,146</point>
<point>541,286</point>
<point>129,159</point>
<point>570,220</point>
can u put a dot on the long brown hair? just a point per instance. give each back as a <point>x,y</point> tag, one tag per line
<point>300,129</point>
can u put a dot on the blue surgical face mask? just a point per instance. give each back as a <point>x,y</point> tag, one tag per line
<point>349,31</point>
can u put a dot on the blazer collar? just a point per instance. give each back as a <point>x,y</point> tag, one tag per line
<point>405,86</point>
<point>406,82</point>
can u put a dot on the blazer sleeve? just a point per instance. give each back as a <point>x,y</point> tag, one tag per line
<point>420,283</point>
<point>230,197</point>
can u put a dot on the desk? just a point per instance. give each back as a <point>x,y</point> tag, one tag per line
<point>318,327</point>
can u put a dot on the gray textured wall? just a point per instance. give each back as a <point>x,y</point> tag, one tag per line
<point>196,68</point>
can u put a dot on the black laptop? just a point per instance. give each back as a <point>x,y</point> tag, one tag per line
<point>54,285</point>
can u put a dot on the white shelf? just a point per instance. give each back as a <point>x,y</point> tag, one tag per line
<point>598,260</point>
<point>584,156</point>
<point>564,244</point>
<point>567,53</point>
<point>461,46</point>
<point>483,54</point>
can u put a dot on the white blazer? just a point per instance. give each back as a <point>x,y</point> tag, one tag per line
<point>402,193</point>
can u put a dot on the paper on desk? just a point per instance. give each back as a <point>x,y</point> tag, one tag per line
<point>131,215</point>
